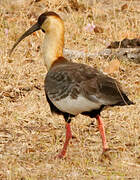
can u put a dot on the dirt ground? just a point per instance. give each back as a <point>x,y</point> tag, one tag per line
<point>30,136</point>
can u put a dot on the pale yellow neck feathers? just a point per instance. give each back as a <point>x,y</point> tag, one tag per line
<point>53,42</point>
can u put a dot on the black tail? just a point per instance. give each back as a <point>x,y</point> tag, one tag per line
<point>125,100</point>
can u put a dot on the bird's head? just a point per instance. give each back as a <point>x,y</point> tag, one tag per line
<point>48,22</point>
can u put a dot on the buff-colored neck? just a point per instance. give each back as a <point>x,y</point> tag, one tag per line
<point>53,42</point>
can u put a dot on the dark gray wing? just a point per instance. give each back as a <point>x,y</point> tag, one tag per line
<point>74,79</point>
<point>101,88</point>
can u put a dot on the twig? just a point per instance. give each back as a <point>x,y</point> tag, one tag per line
<point>131,164</point>
<point>130,53</point>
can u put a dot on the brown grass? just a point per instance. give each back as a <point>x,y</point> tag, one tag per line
<point>30,136</point>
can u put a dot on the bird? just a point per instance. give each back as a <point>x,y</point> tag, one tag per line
<point>73,88</point>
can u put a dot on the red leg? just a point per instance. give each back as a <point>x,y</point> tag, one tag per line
<point>102,132</point>
<point>68,137</point>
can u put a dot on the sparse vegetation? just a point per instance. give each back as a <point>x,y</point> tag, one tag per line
<point>30,136</point>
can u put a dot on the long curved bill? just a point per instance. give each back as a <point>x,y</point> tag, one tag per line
<point>34,28</point>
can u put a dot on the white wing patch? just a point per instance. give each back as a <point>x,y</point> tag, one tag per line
<point>76,106</point>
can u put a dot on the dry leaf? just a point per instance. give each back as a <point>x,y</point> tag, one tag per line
<point>98,29</point>
<point>113,66</point>
<point>20,107</point>
<point>124,7</point>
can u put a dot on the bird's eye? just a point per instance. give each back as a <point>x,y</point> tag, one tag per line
<point>43,30</point>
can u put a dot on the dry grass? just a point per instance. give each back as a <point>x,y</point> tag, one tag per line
<point>30,136</point>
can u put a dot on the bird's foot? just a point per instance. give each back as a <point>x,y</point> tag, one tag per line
<point>108,155</point>
<point>61,155</point>
<point>106,148</point>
